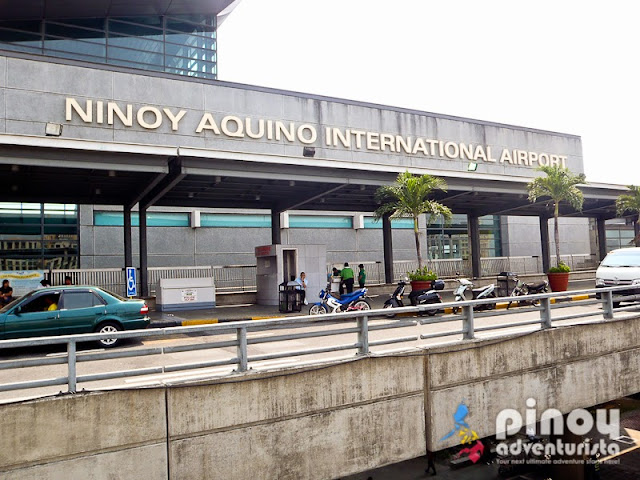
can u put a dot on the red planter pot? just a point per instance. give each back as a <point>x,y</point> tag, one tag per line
<point>420,284</point>
<point>559,282</point>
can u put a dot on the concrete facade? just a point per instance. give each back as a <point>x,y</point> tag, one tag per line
<point>521,236</point>
<point>318,422</point>
<point>36,92</point>
<point>102,246</point>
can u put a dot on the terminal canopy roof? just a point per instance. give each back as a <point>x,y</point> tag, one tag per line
<point>47,9</point>
<point>58,170</point>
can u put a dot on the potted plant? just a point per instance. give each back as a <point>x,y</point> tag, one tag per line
<point>559,277</point>
<point>409,196</point>
<point>422,278</point>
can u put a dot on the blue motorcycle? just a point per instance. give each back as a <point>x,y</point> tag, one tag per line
<point>346,303</point>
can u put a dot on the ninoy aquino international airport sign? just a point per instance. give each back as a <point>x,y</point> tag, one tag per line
<point>149,117</point>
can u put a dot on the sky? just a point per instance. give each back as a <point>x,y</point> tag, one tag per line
<point>564,66</point>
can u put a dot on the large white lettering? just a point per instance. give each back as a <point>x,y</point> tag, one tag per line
<point>150,117</point>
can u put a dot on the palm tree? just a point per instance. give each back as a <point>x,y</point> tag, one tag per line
<point>560,186</point>
<point>409,197</point>
<point>630,203</point>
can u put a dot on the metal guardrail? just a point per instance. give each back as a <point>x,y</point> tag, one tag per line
<point>357,322</point>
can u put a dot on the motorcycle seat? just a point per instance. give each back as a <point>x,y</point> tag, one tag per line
<point>349,297</point>
<point>536,286</point>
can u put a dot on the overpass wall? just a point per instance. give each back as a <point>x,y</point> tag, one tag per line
<point>319,422</point>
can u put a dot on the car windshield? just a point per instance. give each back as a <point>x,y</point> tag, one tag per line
<point>13,303</point>
<point>622,259</point>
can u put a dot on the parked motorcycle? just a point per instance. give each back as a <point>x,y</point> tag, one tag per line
<point>416,297</point>
<point>346,303</point>
<point>522,288</point>
<point>465,290</point>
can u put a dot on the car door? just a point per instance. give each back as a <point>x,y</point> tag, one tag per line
<point>79,311</point>
<point>33,318</point>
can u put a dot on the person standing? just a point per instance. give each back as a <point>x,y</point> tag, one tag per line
<point>362,276</point>
<point>347,277</point>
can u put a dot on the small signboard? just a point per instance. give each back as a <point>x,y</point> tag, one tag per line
<point>132,288</point>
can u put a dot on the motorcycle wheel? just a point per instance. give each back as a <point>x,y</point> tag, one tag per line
<point>361,305</point>
<point>433,312</point>
<point>317,310</point>
<point>455,310</point>
<point>387,306</point>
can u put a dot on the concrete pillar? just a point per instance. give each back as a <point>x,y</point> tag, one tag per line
<point>128,252</point>
<point>473,221</point>
<point>387,242</point>
<point>636,231</point>
<point>602,238</point>
<point>276,232</point>
<point>544,240</point>
<point>144,274</point>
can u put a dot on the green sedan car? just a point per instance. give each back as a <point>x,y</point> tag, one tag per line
<point>69,310</point>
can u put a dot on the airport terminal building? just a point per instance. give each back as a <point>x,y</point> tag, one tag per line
<point>119,146</point>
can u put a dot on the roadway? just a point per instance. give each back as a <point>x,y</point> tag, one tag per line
<point>592,313</point>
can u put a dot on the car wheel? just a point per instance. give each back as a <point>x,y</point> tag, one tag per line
<point>108,327</point>
<point>387,306</point>
<point>317,310</point>
<point>361,305</point>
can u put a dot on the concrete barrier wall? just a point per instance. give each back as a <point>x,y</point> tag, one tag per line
<point>107,435</point>
<point>562,368</point>
<point>318,423</point>
<point>315,423</point>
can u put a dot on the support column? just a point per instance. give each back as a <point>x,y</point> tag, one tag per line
<point>144,274</point>
<point>128,251</point>
<point>473,222</point>
<point>387,242</point>
<point>602,238</point>
<point>544,242</point>
<point>276,231</point>
<point>636,230</point>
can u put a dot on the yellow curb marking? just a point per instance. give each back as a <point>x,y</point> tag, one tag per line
<point>266,317</point>
<point>580,297</point>
<point>202,321</point>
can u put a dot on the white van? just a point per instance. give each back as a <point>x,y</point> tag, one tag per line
<point>620,267</point>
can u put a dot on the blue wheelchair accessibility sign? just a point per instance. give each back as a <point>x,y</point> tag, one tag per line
<point>132,289</point>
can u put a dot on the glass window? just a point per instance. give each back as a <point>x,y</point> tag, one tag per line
<point>75,300</point>
<point>234,220</point>
<point>150,43</point>
<point>154,219</point>
<point>137,56</point>
<point>131,28</point>
<point>320,221</point>
<point>41,303</point>
<point>396,223</point>
<point>75,30</point>
<point>35,236</point>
